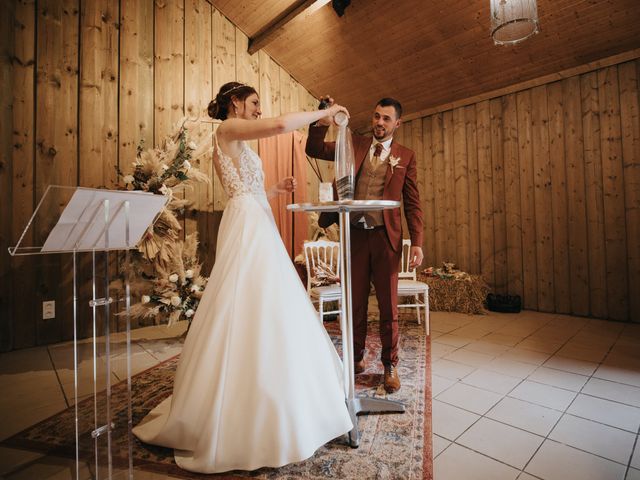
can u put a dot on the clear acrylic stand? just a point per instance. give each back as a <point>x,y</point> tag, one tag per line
<point>74,220</point>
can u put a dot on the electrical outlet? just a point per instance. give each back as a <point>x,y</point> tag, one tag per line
<point>48,309</point>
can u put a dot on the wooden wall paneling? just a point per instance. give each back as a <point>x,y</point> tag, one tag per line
<point>266,85</point>
<point>247,68</point>
<point>427,196</point>
<point>136,80</point>
<point>630,122</point>
<point>198,93</point>
<point>417,142</point>
<point>613,188</point>
<point>594,200</point>
<point>527,200</point>
<point>285,90</point>
<point>98,110</point>
<point>561,271</point>
<point>485,192</point>
<point>169,68</point>
<point>450,192</point>
<point>21,330</point>
<point>276,91</point>
<point>461,180</point>
<point>224,70</point>
<point>56,143</point>
<point>578,287</point>
<point>97,135</point>
<point>474,207</point>
<point>439,188</point>
<point>6,178</point>
<point>499,215</point>
<point>544,223</point>
<point>513,218</point>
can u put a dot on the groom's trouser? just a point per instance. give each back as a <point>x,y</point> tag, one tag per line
<point>373,260</point>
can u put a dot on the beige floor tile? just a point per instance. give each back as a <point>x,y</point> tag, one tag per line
<point>605,411</point>
<point>449,369</point>
<point>18,420</point>
<point>525,415</point>
<point>439,350</point>
<point>633,474</point>
<point>617,392</point>
<point>510,367</point>
<point>502,442</point>
<point>468,357</point>
<point>526,476</point>
<point>635,460</point>
<point>540,345</point>
<point>486,347</point>
<point>440,384</point>
<point>442,328</point>
<point>23,361</point>
<point>596,438</point>
<point>460,463</point>
<point>492,381</point>
<point>450,422</point>
<point>544,395</point>
<point>571,365</point>
<point>455,340</point>
<point>555,461</point>
<point>558,378</point>
<point>525,356</point>
<point>582,353</point>
<point>503,339</point>
<point>470,398</point>
<point>439,445</point>
<point>615,372</point>
<point>12,459</point>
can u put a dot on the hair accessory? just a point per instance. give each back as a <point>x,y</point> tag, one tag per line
<point>233,88</point>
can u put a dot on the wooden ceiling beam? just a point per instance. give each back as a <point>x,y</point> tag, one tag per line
<point>275,28</point>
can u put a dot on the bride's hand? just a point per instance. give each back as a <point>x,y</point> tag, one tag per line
<point>335,109</point>
<point>286,185</point>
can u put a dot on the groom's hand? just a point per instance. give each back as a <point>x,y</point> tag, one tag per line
<point>415,257</point>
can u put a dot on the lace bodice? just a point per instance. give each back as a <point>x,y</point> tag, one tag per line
<point>243,175</point>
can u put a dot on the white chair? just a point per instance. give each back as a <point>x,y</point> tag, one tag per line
<point>408,286</point>
<point>322,259</point>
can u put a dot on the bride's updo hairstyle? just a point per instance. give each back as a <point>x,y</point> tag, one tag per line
<point>219,107</point>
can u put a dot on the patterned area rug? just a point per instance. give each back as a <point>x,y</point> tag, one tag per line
<point>392,446</point>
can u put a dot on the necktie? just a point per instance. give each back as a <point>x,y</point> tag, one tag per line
<point>375,160</point>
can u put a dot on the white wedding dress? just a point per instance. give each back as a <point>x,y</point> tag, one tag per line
<point>259,383</point>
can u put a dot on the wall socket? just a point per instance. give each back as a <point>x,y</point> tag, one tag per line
<point>48,309</point>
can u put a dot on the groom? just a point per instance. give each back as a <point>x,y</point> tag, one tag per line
<point>385,170</point>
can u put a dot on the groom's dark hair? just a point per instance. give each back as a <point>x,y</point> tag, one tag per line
<point>391,102</point>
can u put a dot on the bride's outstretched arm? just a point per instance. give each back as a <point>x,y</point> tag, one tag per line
<point>240,129</point>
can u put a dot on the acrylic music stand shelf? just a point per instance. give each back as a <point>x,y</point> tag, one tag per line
<point>355,404</point>
<point>71,220</point>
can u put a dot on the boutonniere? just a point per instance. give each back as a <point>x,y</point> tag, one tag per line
<point>393,162</point>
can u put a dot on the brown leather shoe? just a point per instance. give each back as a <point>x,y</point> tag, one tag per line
<point>391,379</point>
<point>359,367</point>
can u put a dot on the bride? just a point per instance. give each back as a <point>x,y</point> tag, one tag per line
<point>259,383</point>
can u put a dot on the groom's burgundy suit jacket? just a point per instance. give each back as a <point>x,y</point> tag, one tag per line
<point>400,182</point>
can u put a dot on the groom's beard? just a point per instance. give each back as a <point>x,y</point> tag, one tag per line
<point>379,134</point>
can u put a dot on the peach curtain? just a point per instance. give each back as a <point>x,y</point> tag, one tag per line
<point>283,156</point>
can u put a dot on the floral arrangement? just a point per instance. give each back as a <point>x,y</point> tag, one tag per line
<point>169,282</point>
<point>447,271</point>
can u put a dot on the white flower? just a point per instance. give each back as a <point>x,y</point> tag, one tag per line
<point>128,179</point>
<point>164,190</point>
<point>173,277</point>
<point>192,145</point>
<point>165,168</point>
<point>186,164</point>
<point>195,288</point>
<point>146,299</point>
<point>188,274</point>
<point>176,301</point>
<point>393,162</point>
<point>189,313</point>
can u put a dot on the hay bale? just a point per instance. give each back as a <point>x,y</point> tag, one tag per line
<point>455,292</point>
